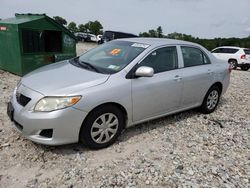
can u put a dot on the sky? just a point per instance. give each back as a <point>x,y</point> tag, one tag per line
<point>200,18</point>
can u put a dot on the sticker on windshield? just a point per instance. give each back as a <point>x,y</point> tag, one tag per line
<point>114,67</point>
<point>115,51</point>
<point>138,45</point>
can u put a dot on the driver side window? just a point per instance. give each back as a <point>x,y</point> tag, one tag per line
<point>163,59</point>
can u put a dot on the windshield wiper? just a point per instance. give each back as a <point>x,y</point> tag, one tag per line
<point>89,66</point>
<point>74,61</point>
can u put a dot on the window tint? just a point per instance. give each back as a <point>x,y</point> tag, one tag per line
<point>226,50</point>
<point>247,51</point>
<point>193,57</point>
<point>163,59</point>
<point>41,41</point>
<point>217,50</point>
<point>230,50</point>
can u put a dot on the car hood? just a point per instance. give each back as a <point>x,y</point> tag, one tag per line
<point>61,79</point>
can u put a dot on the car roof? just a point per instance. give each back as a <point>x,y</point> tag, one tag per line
<point>235,47</point>
<point>158,41</point>
<point>121,32</point>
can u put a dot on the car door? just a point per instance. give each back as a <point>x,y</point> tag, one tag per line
<point>218,53</point>
<point>247,52</point>
<point>197,76</point>
<point>157,95</point>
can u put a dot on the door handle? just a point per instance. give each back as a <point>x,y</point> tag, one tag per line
<point>210,71</point>
<point>177,78</point>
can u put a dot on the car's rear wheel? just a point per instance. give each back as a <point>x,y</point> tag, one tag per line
<point>244,68</point>
<point>211,100</point>
<point>233,64</point>
<point>102,127</point>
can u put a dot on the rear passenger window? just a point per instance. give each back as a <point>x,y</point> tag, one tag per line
<point>225,50</point>
<point>163,59</point>
<point>230,50</point>
<point>219,50</point>
<point>247,52</point>
<point>193,57</point>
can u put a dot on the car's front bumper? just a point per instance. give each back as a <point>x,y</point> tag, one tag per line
<point>65,124</point>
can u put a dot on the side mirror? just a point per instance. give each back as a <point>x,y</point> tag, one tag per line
<point>144,71</point>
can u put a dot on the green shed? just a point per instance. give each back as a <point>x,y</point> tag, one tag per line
<point>29,41</point>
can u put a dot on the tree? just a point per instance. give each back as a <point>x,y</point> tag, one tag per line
<point>83,28</point>
<point>60,20</point>
<point>72,27</point>
<point>159,32</point>
<point>144,34</point>
<point>94,27</point>
<point>152,33</point>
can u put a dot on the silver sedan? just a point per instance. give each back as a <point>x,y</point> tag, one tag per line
<point>93,97</point>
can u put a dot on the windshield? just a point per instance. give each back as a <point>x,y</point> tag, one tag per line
<point>112,57</point>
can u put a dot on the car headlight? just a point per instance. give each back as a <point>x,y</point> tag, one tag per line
<point>48,104</point>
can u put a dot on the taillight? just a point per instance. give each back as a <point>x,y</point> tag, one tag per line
<point>243,56</point>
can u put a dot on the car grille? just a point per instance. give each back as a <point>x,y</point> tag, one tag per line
<point>22,100</point>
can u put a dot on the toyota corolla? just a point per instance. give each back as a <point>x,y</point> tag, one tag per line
<point>93,97</point>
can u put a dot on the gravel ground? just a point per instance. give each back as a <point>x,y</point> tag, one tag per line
<point>184,150</point>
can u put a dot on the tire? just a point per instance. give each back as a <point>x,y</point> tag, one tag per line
<point>211,100</point>
<point>94,134</point>
<point>244,68</point>
<point>233,64</point>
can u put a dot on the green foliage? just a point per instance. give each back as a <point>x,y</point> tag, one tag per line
<point>159,32</point>
<point>144,34</point>
<point>91,27</point>
<point>212,43</point>
<point>83,28</point>
<point>95,27</point>
<point>153,33</point>
<point>60,20</point>
<point>72,27</point>
<point>207,43</point>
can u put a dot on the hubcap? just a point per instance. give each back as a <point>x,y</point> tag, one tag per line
<point>104,128</point>
<point>212,99</point>
<point>233,65</point>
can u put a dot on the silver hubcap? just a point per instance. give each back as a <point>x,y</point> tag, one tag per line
<point>212,99</point>
<point>104,128</point>
<point>233,65</point>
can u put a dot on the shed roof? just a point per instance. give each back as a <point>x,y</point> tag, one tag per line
<point>24,18</point>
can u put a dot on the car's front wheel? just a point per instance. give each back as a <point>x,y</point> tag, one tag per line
<point>233,64</point>
<point>102,127</point>
<point>211,100</point>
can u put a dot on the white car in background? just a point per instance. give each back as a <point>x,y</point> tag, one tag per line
<point>99,38</point>
<point>236,56</point>
<point>93,37</point>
